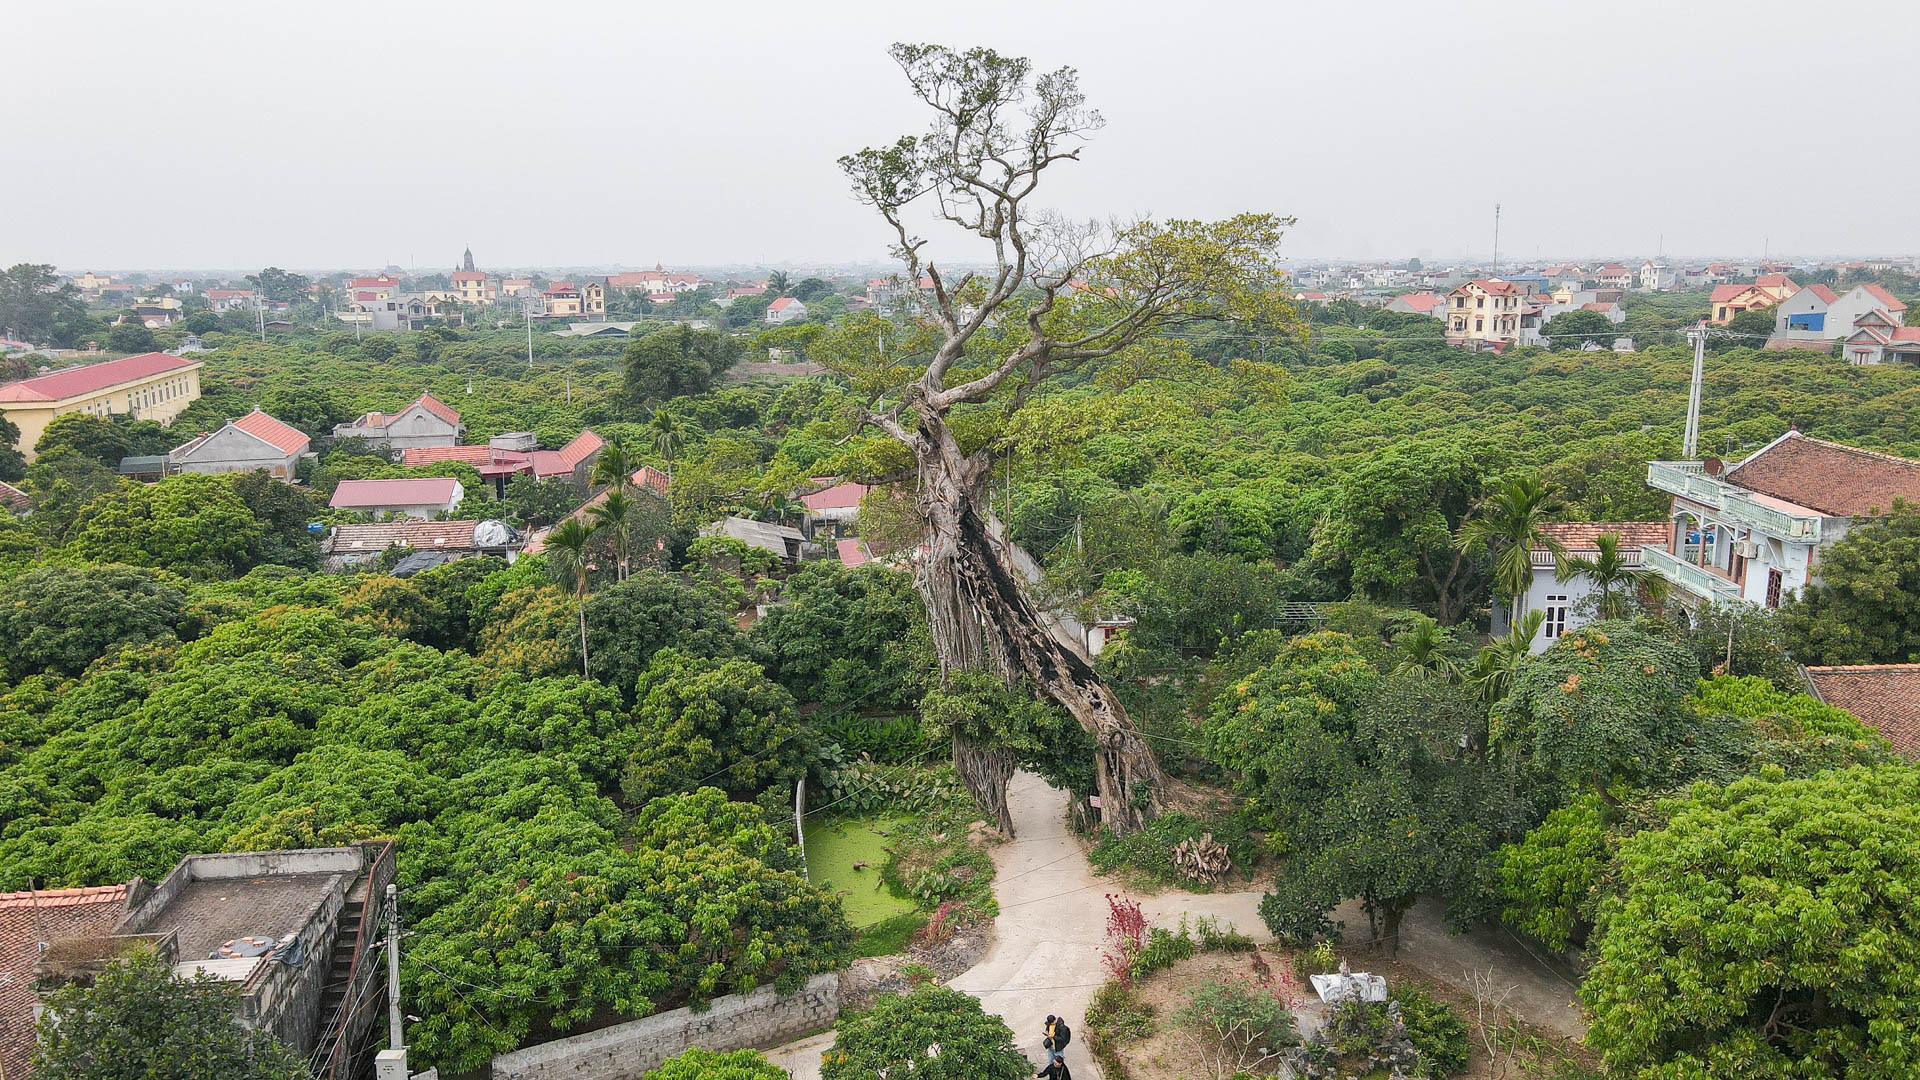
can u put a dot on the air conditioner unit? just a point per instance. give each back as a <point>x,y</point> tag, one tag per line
<point>1746,549</point>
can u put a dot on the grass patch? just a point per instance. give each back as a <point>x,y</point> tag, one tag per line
<point>889,936</point>
<point>848,856</point>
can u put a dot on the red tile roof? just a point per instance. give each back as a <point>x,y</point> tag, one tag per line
<point>782,304</point>
<point>282,437</point>
<point>851,551</point>
<point>472,455</point>
<point>1775,281</point>
<point>1580,535</point>
<point>1886,697</point>
<point>1723,293</point>
<point>93,378</point>
<point>374,494</point>
<point>26,920</point>
<point>1829,477</point>
<point>13,498</point>
<point>1422,301</point>
<point>652,479</point>
<point>438,408</point>
<point>468,275</point>
<point>837,497</point>
<point>1825,294</point>
<point>567,458</point>
<point>1887,299</point>
<point>1495,287</point>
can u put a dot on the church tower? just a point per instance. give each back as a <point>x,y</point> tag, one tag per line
<point>468,263</point>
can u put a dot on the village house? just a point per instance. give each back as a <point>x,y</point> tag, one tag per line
<point>254,441</point>
<point>564,299</point>
<point>783,540</point>
<point>517,286</point>
<point>149,386</point>
<point>1571,604</point>
<point>1726,301</point>
<point>1420,303</point>
<point>656,280</point>
<point>428,421</point>
<point>294,933</point>
<point>378,287</point>
<point>473,287</point>
<point>1817,313</point>
<point>1615,276</point>
<point>1484,313</point>
<point>90,282</point>
<point>357,544</point>
<point>1754,532</point>
<point>419,497</point>
<point>785,310</point>
<point>517,454</point>
<point>835,508</point>
<point>1878,339</point>
<point>1658,277</point>
<point>225,300</point>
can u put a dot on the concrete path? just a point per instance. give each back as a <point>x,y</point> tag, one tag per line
<point>1045,956</point>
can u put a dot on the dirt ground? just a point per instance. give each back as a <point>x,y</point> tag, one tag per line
<point>1524,1051</point>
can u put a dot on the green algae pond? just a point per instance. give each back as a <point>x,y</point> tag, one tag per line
<point>845,855</point>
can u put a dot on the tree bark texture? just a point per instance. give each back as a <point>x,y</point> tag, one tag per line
<point>983,619</point>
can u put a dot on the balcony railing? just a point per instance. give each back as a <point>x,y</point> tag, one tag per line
<point>1696,580</point>
<point>1687,480</point>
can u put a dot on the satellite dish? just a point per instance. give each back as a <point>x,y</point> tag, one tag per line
<point>1713,466</point>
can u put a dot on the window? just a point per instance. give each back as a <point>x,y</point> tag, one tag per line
<point>1555,623</point>
<point>1479,301</point>
<point>1774,580</point>
<point>1479,324</point>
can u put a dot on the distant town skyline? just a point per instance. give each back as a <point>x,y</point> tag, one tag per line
<point>254,135</point>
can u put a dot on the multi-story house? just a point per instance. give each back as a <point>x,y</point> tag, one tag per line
<point>564,300</point>
<point>473,287</point>
<point>225,300</point>
<point>1817,313</point>
<point>1615,276</point>
<point>785,310</point>
<point>1657,277</point>
<point>1726,301</point>
<point>150,386</point>
<point>1755,532</point>
<point>1878,339</point>
<point>1484,313</point>
<point>1571,604</point>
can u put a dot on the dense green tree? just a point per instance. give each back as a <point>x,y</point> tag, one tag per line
<point>700,1064</point>
<point>652,610</point>
<point>191,523</point>
<point>274,283</point>
<point>849,639</point>
<point>131,336</point>
<point>1362,776</point>
<point>1603,704</point>
<point>930,1032</point>
<point>1391,523</point>
<point>59,619</point>
<point>1578,329</point>
<point>13,463</point>
<point>1866,609</point>
<point>1509,525</point>
<point>37,307</point>
<point>284,511</point>
<point>1753,326</point>
<point>676,362</point>
<point>140,1019</point>
<point>704,721</point>
<point>104,439</point>
<point>1765,932</point>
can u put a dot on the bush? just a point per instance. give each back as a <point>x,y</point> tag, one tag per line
<point>1212,937</point>
<point>884,738</point>
<point>866,787</point>
<point>1149,851</point>
<point>1162,949</point>
<point>907,1027</point>
<point>1238,1023</point>
<point>1438,1030</point>
<point>1116,1012</point>
<point>709,1065</point>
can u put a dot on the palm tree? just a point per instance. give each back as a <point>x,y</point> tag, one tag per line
<point>1423,647</point>
<point>1493,667</point>
<point>1511,525</point>
<point>569,548</point>
<point>777,283</point>
<point>668,437</point>
<point>1609,569</point>
<point>614,514</point>
<point>613,468</point>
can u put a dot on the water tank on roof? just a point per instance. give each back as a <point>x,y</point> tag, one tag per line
<point>493,534</point>
<point>517,441</point>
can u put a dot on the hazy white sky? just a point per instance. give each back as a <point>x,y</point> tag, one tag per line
<point>239,134</point>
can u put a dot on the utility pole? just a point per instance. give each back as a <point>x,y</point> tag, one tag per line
<point>395,1037</point>
<point>260,309</point>
<point>527,313</point>
<point>1690,443</point>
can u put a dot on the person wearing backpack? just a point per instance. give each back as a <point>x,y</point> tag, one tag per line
<point>1058,1035</point>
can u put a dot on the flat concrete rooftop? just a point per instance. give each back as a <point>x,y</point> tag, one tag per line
<point>209,913</point>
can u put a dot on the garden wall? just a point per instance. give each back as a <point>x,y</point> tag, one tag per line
<point>759,1020</point>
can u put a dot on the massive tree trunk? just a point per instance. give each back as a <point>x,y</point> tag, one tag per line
<point>983,619</point>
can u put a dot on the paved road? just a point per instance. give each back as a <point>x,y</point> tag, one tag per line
<point>1045,956</point>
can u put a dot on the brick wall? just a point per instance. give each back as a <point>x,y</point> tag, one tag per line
<point>759,1020</point>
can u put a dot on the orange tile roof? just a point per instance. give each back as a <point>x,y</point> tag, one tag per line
<point>427,455</point>
<point>13,498</point>
<point>567,458</point>
<point>378,494</point>
<point>1886,697</point>
<point>26,920</point>
<point>1887,299</point>
<point>439,408</point>
<point>282,437</point>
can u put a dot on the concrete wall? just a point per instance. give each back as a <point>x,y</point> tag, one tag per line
<point>758,1020</point>
<point>286,1000</point>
